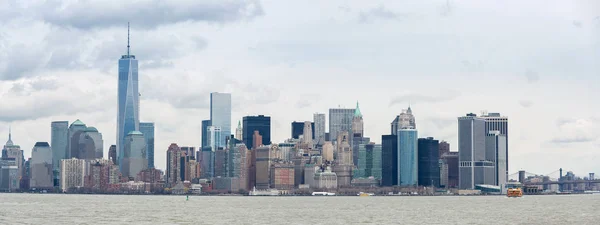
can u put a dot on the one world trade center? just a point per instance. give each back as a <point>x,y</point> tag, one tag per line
<point>128,115</point>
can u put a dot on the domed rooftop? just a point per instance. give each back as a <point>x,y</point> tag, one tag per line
<point>135,132</point>
<point>91,129</point>
<point>78,123</point>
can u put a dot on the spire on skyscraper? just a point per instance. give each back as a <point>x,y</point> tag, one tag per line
<point>9,142</point>
<point>357,111</point>
<point>409,111</point>
<point>128,39</point>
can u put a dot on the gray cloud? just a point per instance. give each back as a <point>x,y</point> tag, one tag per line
<point>68,49</point>
<point>526,103</point>
<point>380,12</point>
<point>145,13</point>
<point>40,98</point>
<point>577,24</point>
<point>418,98</point>
<point>532,76</point>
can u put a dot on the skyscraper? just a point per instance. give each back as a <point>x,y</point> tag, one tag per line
<point>72,173</point>
<point>41,166</point>
<point>59,133</point>
<point>298,129</point>
<point>474,169</point>
<point>340,120</point>
<point>389,160</point>
<point>239,132</point>
<point>308,133</point>
<point>14,152</point>
<point>128,113</point>
<point>496,151</point>
<point>319,128</point>
<point>85,142</point>
<point>148,130</point>
<point>205,125</point>
<point>496,126</point>
<point>406,119</point>
<point>369,160</point>
<point>429,165</point>
<point>220,114</point>
<point>408,157</point>
<point>75,130</point>
<point>134,159</point>
<point>259,123</point>
<point>357,123</point>
<point>173,171</point>
<point>112,154</point>
<point>343,162</point>
<point>263,167</point>
<point>214,137</point>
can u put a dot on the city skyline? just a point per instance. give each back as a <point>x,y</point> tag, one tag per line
<point>545,120</point>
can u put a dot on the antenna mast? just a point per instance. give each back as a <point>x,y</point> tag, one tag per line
<point>128,39</point>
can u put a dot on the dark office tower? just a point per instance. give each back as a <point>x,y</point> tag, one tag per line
<point>444,148</point>
<point>112,154</point>
<point>429,165</point>
<point>260,123</point>
<point>220,163</point>
<point>147,129</point>
<point>205,125</point>
<point>298,129</point>
<point>389,162</point>
<point>449,170</point>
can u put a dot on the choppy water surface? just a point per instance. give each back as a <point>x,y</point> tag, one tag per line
<point>111,209</point>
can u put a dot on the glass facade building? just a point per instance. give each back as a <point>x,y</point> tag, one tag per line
<point>340,120</point>
<point>389,160</point>
<point>298,129</point>
<point>259,123</point>
<point>319,128</point>
<point>205,125</point>
<point>128,113</point>
<point>407,157</point>
<point>148,130</point>
<point>214,137</point>
<point>369,160</point>
<point>220,114</point>
<point>429,162</point>
<point>134,159</point>
<point>59,141</point>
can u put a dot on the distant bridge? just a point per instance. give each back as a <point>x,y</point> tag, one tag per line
<point>521,176</point>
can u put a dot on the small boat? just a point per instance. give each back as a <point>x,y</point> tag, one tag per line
<point>362,194</point>
<point>514,192</point>
<point>323,194</point>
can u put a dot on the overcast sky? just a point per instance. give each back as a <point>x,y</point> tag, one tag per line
<point>534,61</point>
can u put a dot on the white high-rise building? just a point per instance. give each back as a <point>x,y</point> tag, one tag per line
<point>72,173</point>
<point>319,120</point>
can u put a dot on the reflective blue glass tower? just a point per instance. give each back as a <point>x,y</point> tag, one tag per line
<point>407,157</point>
<point>148,130</point>
<point>128,114</point>
<point>220,114</point>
